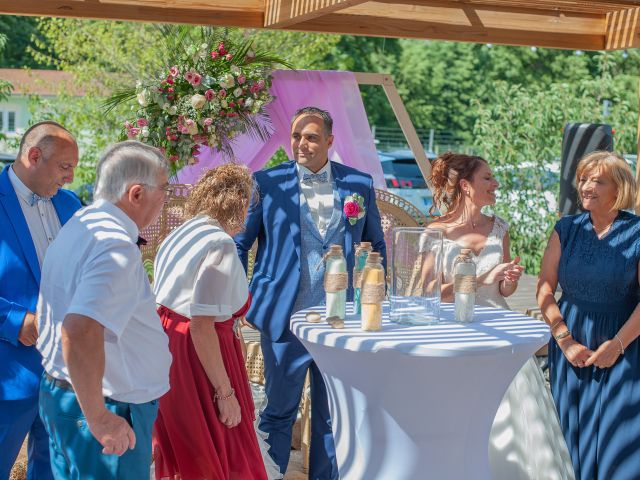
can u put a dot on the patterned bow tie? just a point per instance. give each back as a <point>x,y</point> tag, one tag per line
<point>35,198</point>
<point>309,178</point>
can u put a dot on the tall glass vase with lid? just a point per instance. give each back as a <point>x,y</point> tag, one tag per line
<point>416,275</point>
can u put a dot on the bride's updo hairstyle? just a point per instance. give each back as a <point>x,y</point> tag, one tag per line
<point>446,172</point>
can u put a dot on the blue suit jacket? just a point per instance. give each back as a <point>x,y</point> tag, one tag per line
<point>19,284</point>
<point>274,220</point>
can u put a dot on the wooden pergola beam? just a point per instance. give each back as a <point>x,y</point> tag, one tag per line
<point>622,29</point>
<point>242,14</point>
<point>284,13</point>
<point>357,24</point>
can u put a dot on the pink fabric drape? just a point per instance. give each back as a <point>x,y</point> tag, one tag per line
<point>336,92</point>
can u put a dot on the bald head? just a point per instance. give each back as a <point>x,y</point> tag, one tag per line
<point>47,158</point>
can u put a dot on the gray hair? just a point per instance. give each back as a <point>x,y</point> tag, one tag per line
<point>125,164</point>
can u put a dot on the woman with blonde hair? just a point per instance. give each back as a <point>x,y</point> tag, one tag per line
<point>594,354</point>
<point>204,428</point>
<point>526,441</point>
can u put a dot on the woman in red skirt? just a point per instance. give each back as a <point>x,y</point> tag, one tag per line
<point>204,428</point>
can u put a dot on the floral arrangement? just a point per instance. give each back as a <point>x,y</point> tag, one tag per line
<point>210,91</point>
<point>354,208</point>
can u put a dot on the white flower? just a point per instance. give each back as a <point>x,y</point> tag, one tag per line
<point>237,92</point>
<point>235,70</point>
<point>198,101</point>
<point>143,98</point>
<point>145,132</point>
<point>223,103</point>
<point>228,81</point>
<point>172,110</point>
<point>248,102</point>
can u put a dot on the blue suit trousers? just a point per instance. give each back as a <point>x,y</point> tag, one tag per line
<point>17,419</point>
<point>286,362</point>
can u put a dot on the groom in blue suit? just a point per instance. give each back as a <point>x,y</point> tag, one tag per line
<point>298,216</point>
<point>32,210</point>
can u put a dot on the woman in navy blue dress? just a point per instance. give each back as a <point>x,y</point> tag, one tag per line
<point>595,354</point>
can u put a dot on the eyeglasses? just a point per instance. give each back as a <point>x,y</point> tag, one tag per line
<point>167,189</point>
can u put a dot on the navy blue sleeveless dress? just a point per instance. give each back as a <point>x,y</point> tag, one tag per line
<point>599,409</point>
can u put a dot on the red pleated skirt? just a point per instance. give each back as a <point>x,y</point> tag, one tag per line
<point>189,441</point>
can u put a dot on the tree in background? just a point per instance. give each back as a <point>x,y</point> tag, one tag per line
<point>5,87</point>
<point>520,134</point>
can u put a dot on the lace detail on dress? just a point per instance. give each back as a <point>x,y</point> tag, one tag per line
<point>490,256</point>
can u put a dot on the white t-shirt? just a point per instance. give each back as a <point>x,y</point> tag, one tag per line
<point>198,272</point>
<point>94,268</point>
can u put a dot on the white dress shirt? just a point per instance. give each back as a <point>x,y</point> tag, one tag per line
<point>198,272</point>
<point>41,217</point>
<point>318,196</point>
<point>94,268</point>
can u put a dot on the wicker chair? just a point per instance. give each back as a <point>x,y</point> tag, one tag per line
<point>394,212</point>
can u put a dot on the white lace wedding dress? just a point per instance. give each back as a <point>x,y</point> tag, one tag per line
<point>526,441</point>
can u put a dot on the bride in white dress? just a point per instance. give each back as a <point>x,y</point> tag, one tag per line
<point>526,441</point>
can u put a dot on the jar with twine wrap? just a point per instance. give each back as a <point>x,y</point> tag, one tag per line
<point>362,252</point>
<point>373,289</point>
<point>464,286</point>
<point>336,280</point>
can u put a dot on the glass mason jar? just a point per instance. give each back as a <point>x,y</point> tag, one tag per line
<point>362,252</point>
<point>416,276</point>
<point>373,287</point>
<point>464,286</point>
<point>336,281</point>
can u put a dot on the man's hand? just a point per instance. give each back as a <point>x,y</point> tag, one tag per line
<point>29,331</point>
<point>113,432</point>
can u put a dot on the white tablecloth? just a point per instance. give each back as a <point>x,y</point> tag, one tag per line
<point>413,402</point>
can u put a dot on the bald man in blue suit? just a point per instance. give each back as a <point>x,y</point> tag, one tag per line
<point>298,216</point>
<point>32,210</point>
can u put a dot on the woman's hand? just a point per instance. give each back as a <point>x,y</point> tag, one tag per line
<point>605,356</point>
<point>576,353</point>
<point>229,411</point>
<point>510,271</point>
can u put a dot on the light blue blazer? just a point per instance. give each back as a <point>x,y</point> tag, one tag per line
<point>274,220</point>
<point>19,284</point>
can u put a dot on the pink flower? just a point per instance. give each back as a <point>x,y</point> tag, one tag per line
<point>196,80</point>
<point>351,209</point>
<point>173,158</point>
<point>254,88</point>
<point>128,125</point>
<point>132,132</point>
<point>228,56</point>
<point>221,48</point>
<point>207,122</point>
<point>173,71</point>
<point>142,122</point>
<point>193,78</point>
<point>241,79</point>
<point>261,84</point>
<point>209,94</point>
<point>189,76</point>
<point>222,93</point>
<point>169,80</point>
<point>232,104</point>
<point>214,54</point>
<point>199,139</point>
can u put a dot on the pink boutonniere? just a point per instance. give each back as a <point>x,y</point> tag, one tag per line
<point>354,208</point>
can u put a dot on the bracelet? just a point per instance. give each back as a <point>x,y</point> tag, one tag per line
<point>621,344</point>
<point>562,335</point>
<point>231,393</point>
<point>555,324</point>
